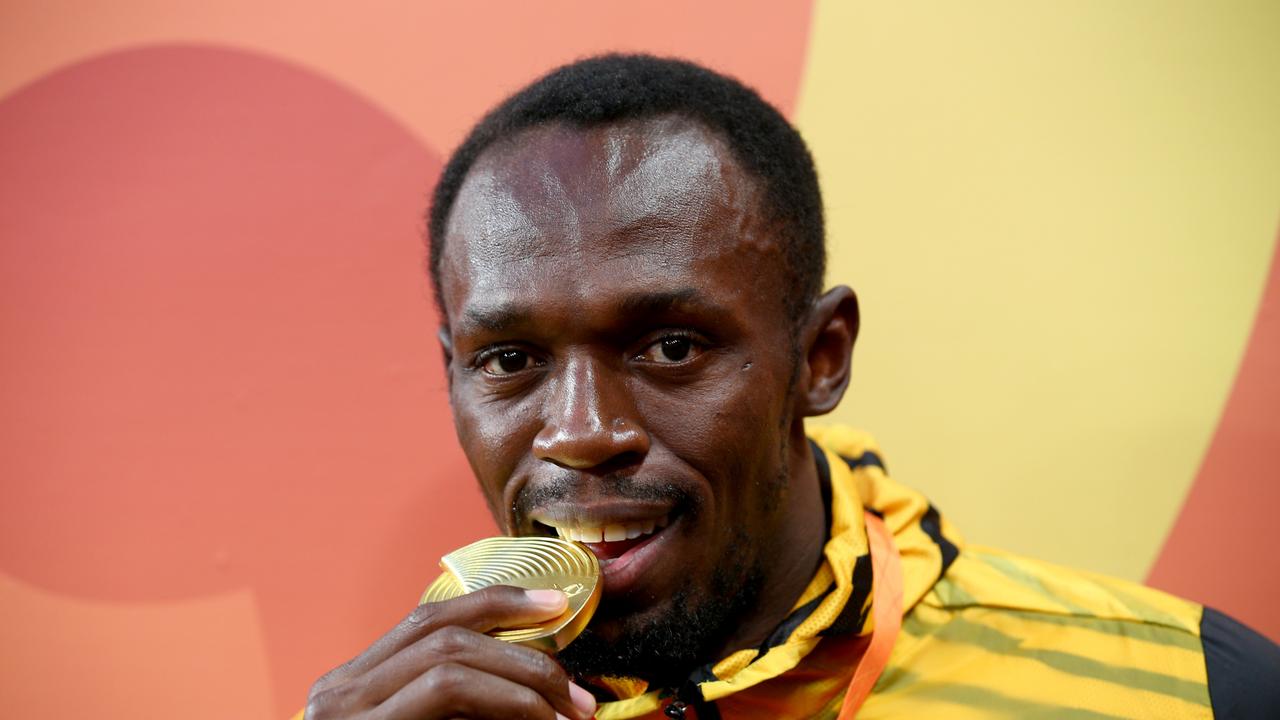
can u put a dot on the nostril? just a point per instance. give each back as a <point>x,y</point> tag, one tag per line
<point>619,463</point>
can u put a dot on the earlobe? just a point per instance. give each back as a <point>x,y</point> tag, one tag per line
<point>828,344</point>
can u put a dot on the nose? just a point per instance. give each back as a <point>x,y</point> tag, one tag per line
<point>590,420</point>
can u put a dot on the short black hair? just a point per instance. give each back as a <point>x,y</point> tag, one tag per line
<point>614,88</point>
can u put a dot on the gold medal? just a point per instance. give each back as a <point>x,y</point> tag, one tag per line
<point>533,563</point>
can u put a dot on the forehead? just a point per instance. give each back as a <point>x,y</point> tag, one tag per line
<point>637,202</point>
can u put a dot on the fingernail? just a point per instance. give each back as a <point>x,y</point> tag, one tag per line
<point>547,599</point>
<point>582,699</point>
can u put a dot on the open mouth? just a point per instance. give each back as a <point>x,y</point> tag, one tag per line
<point>630,543</point>
<point>612,540</point>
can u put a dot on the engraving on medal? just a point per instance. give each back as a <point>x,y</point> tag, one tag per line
<point>533,563</point>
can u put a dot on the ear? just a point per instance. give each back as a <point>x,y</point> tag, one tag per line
<point>826,344</point>
<point>446,349</point>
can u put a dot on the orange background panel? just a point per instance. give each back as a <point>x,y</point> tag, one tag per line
<point>434,65</point>
<point>70,658</point>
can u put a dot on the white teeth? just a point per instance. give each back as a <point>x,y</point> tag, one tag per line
<point>610,533</point>
<point>636,529</point>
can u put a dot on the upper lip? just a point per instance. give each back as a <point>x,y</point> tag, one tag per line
<point>564,516</point>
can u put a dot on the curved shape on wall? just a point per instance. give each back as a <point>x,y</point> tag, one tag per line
<point>217,338</point>
<point>1221,550</point>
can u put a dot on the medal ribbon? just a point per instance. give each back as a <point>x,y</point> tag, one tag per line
<point>886,603</point>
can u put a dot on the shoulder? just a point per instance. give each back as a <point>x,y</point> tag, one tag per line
<point>1243,668</point>
<point>1032,636</point>
<point>993,578</point>
<point>1003,631</point>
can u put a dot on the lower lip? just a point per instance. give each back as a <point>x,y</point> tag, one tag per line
<point>622,573</point>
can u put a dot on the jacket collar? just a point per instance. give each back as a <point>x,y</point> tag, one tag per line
<point>837,601</point>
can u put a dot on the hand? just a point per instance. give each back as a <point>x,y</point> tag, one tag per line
<point>438,663</point>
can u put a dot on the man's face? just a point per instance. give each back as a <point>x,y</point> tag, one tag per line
<point>621,366</point>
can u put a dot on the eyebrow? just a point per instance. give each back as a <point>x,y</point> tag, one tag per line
<point>495,318</point>
<point>662,301</point>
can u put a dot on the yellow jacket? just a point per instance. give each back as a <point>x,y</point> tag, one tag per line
<point>986,634</point>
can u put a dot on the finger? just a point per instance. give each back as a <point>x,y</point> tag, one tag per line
<point>521,665</point>
<point>450,690</point>
<point>485,609</point>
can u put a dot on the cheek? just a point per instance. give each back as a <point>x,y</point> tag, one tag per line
<point>490,431</point>
<point>471,438</point>
<point>729,423</point>
<point>495,440</point>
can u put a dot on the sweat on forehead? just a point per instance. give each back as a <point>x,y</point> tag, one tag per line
<point>619,88</point>
<point>594,194</point>
<point>642,165</point>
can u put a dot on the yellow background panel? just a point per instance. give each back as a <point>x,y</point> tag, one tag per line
<point>1058,218</point>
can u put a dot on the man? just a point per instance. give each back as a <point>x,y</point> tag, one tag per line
<point>628,257</point>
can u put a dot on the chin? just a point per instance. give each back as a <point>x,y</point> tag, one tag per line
<point>664,643</point>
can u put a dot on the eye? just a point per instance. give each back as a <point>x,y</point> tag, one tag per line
<point>670,350</point>
<point>506,362</point>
